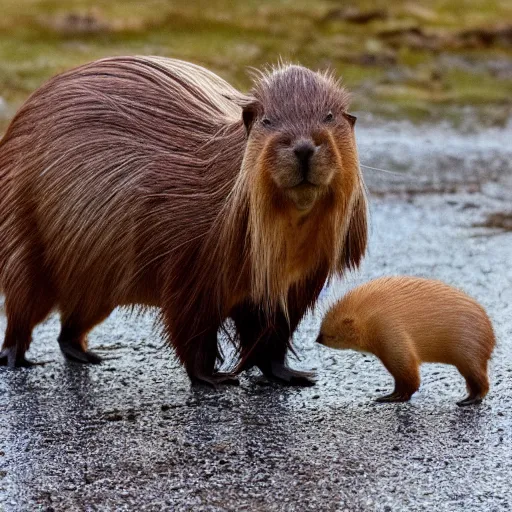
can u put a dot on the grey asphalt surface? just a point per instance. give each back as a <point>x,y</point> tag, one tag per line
<point>131,434</point>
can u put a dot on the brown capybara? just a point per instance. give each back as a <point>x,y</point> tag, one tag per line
<point>406,321</point>
<point>152,182</point>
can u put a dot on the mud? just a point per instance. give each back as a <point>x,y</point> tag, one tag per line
<point>131,434</point>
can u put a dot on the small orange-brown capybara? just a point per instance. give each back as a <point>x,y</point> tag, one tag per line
<point>150,181</point>
<point>406,321</point>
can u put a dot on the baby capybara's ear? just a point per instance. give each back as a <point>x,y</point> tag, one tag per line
<point>357,234</point>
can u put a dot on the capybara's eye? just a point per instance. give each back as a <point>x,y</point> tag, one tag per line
<point>350,118</point>
<point>329,117</point>
<point>266,122</point>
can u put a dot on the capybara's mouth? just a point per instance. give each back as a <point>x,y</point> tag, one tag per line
<point>304,184</point>
<point>304,195</point>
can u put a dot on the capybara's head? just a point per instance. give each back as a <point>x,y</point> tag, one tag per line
<point>338,331</point>
<point>301,137</point>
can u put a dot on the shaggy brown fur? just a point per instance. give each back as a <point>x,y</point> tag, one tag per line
<point>150,181</point>
<point>405,321</point>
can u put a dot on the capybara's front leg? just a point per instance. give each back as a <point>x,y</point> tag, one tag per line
<point>200,354</point>
<point>405,369</point>
<point>265,344</point>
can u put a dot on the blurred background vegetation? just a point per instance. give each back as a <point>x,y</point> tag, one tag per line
<point>438,59</point>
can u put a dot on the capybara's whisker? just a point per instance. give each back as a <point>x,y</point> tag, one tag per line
<point>385,170</point>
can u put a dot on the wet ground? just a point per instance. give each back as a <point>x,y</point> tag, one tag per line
<point>132,435</point>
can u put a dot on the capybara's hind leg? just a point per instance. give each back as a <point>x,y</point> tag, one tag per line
<point>22,317</point>
<point>16,342</point>
<point>29,295</point>
<point>265,345</point>
<point>73,335</point>
<point>477,383</point>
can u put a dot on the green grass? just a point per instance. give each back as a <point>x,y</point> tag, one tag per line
<point>37,42</point>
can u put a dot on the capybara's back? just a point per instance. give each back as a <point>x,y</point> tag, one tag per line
<point>94,187</point>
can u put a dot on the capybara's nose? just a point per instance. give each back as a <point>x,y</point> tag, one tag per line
<point>320,339</point>
<point>304,150</point>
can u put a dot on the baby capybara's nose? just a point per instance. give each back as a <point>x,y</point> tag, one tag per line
<point>304,150</point>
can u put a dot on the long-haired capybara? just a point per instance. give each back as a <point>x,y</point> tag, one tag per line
<point>151,181</point>
<point>406,321</point>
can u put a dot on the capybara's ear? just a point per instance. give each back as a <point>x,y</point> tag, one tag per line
<point>351,119</point>
<point>250,107</point>
<point>357,234</point>
<point>249,112</point>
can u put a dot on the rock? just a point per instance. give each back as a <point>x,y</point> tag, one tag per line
<point>413,37</point>
<point>499,220</point>
<point>417,38</point>
<point>76,23</point>
<point>355,15</point>
<point>482,37</point>
<point>420,12</point>
<point>383,58</point>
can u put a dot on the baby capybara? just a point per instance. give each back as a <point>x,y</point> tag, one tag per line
<point>406,321</point>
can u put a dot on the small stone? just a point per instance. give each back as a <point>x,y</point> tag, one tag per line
<point>113,416</point>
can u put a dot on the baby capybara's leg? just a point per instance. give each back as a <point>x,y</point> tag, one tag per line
<point>265,344</point>
<point>199,354</point>
<point>25,308</point>
<point>73,334</point>
<point>477,383</point>
<point>405,370</point>
<point>404,389</point>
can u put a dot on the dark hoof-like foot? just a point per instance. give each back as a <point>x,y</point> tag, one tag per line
<point>75,354</point>
<point>469,400</point>
<point>284,375</point>
<point>215,380</point>
<point>393,397</point>
<point>9,358</point>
